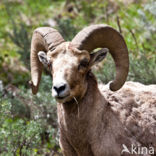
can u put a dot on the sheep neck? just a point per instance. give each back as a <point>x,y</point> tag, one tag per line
<point>73,127</point>
<point>71,107</point>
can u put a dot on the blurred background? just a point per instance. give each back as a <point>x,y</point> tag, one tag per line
<point>28,124</point>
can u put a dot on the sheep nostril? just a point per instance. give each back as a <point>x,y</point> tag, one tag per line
<point>60,88</point>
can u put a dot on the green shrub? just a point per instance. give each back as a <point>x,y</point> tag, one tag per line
<point>28,124</point>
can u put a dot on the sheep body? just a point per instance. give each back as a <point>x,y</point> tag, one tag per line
<point>135,104</point>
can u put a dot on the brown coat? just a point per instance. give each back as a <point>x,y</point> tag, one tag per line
<point>93,127</point>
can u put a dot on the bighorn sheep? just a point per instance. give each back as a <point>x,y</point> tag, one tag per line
<point>90,124</point>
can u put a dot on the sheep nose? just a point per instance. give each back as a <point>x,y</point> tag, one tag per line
<point>60,88</point>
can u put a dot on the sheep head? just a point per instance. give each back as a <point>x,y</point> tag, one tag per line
<point>70,61</point>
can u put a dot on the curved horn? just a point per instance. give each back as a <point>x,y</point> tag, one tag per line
<point>96,36</point>
<point>43,39</point>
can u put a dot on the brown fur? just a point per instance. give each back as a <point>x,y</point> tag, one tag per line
<point>98,130</point>
<point>94,123</point>
<point>136,106</point>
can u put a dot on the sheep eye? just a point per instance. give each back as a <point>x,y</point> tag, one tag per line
<point>83,64</point>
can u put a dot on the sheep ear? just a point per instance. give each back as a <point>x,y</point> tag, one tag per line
<point>43,58</point>
<point>98,56</point>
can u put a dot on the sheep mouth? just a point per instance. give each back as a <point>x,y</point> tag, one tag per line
<point>62,97</point>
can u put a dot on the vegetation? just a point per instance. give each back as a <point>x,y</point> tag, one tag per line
<point>28,124</point>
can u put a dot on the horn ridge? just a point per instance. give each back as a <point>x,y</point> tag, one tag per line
<point>43,39</point>
<point>103,36</point>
